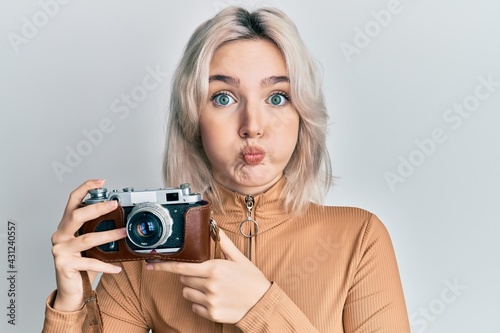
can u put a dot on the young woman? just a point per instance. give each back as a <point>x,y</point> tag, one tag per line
<point>247,127</point>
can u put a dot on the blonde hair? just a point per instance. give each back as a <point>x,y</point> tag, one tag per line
<point>308,173</point>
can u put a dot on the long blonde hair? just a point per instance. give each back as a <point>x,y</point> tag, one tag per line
<point>308,173</point>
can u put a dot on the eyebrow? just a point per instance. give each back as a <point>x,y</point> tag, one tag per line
<point>272,80</point>
<point>226,79</point>
<point>268,81</point>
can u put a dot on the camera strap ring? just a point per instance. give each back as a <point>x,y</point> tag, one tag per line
<point>214,230</point>
<point>214,233</point>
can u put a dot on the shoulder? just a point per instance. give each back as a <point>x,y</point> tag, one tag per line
<point>350,216</point>
<point>340,211</point>
<point>356,222</point>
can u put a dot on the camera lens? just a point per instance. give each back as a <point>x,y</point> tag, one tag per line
<point>149,225</point>
<point>146,228</point>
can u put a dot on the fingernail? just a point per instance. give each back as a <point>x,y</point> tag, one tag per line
<point>112,203</point>
<point>149,267</point>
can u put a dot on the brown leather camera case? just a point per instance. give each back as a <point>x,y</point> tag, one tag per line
<point>196,247</point>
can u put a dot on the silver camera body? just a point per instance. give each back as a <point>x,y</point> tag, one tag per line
<point>154,218</point>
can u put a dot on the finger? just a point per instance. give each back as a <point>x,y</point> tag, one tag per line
<point>76,197</point>
<point>68,266</point>
<point>88,241</point>
<point>81,215</point>
<point>97,266</point>
<point>93,239</point>
<point>230,251</point>
<point>200,310</point>
<point>202,284</point>
<point>91,212</point>
<point>194,295</point>
<point>201,303</point>
<point>181,268</point>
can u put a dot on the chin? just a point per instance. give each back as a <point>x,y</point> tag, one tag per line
<point>258,180</point>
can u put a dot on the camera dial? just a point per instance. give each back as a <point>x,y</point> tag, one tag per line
<point>97,195</point>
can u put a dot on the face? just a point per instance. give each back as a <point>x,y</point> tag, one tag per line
<point>249,126</point>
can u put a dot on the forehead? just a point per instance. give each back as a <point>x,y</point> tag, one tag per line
<point>239,58</point>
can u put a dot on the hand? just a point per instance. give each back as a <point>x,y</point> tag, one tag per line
<point>221,290</point>
<point>66,248</point>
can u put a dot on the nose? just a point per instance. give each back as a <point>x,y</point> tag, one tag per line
<point>252,122</point>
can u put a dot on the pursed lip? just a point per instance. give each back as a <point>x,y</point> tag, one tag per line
<point>253,155</point>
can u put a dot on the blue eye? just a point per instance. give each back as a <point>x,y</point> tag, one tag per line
<point>222,99</point>
<point>278,99</point>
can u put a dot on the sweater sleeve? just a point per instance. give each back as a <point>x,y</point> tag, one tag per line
<point>119,307</point>
<point>375,301</point>
<point>74,322</point>
<point>275,312</point>
<point>62,322</point>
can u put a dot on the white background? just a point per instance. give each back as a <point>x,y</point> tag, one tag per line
<point>63,77</point>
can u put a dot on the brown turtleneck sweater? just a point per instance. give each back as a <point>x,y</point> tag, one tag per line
<point>332,270</point>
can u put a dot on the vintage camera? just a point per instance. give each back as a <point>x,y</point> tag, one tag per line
<point>164,224</point>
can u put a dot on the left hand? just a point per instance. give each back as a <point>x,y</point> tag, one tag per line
<point>221,290</point>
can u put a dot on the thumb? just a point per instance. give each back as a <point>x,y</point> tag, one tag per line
<point>230,251</point>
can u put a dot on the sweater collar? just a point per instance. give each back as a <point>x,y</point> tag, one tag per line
<point>268,210</point>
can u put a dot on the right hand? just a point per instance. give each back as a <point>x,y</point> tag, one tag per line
<point>66,248</point>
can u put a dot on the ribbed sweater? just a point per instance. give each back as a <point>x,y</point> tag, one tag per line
<point>333,269</point>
